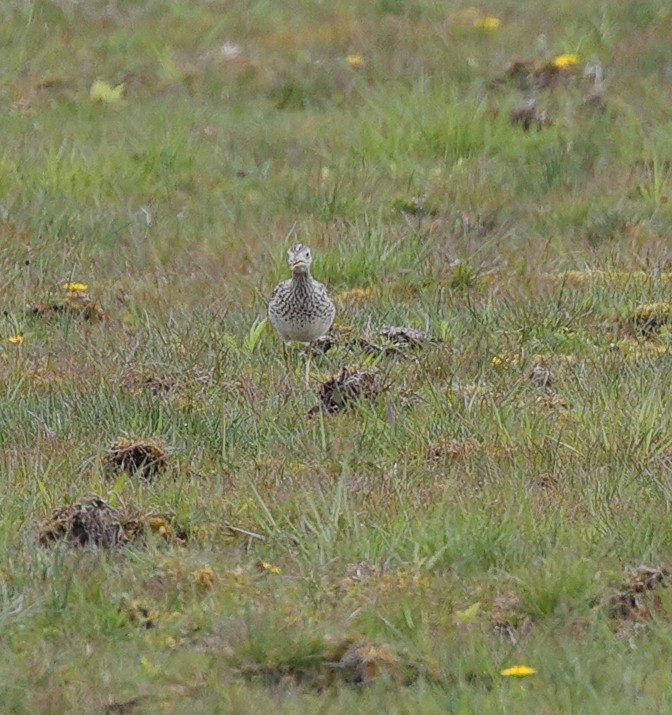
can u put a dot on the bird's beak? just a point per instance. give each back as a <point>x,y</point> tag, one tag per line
<point>298,264</point>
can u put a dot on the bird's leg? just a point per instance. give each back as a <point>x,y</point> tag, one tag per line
<point>289,374</point>
<point>309,355</point>
<point>285,357</point>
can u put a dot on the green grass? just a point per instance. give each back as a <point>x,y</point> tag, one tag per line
<point>464,521</point>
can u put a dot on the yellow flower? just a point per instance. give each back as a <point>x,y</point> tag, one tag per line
<point>519,671</point>
<point>487,23</point>
<point>75,287</point>
<point>102,91</point>
<point>266,567</point>
<point>15,339</point>
<point>355,61</point>
<point>503,359</point>
<point>568,60</point>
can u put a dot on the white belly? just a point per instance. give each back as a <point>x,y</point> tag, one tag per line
<point>302,330</point>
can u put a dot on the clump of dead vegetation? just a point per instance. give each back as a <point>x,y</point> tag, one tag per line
<point>528,115</point>
<point>649,319</point>
<point>360,662</point>
<point>508,619</point>
<point>74,301</point>
<point>354,662</point>
<point>137,613</point>
<point>541,376</point>
<point>406,337</point>
<point>451,448</point>
<point>346,389</point>
<point>157,384</point>
<point>530,76</point>
<point>142,458</point>
<point>386,341</point>
<point>632,604</point>
<point>94,523</point>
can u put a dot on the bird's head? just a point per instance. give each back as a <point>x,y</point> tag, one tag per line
<point>299,258</point>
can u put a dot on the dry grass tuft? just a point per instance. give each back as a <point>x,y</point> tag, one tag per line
<point>360,662</point>
<point>92,522</point>
<point>508,620</point>
<point>450,448</point>
<point>139,614</point>
<point>157,384</point>
<point>530,76</point>
<point>528,115</point>
<point>541,375</point>
<point>405,337</point>
<point>75,303</point>
<point>347,388</point>
<point>649,318</point>
<point>142,458</point>
<point>633,602</point>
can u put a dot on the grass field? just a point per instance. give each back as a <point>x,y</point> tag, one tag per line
<point>499,496</point>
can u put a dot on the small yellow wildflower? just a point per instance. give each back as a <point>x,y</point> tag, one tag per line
<point>75,287</point>
<point>567,60</point>
<point>487,23</point>
<point>503,359</point>
<point>266,567</point>
<point>102,91</point>
<point>519,671</point>
<point>15,339</point>
<point>355,61</point>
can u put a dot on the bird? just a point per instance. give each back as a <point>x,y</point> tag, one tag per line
<point>300,308</point>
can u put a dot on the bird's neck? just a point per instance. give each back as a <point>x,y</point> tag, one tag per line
<point>302,278</point>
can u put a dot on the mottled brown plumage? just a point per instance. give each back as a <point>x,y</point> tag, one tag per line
<point>300,308</point>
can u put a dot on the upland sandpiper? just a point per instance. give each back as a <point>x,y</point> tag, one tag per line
<point>300,307</point>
